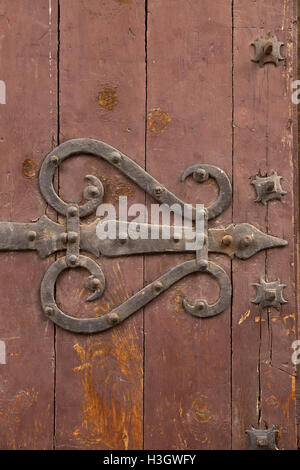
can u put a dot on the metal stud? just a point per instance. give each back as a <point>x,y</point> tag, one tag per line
<point>268,187</point>
<point>267,50</point>
<point>269,294</point>
<point>263,439</point>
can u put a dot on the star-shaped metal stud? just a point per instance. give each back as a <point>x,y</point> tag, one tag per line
<point>268,187</point>
<point>267,50</point>
<point>269,294</point>
<point>262,439</point>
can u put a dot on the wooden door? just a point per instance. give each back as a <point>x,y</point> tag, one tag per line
<point>171,84</point>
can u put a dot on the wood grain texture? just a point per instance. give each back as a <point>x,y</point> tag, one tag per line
<point>187,360</point>
<point>27,131</point>
<point>263,375</point>
<point>99,379</point>
<point>170,86</point>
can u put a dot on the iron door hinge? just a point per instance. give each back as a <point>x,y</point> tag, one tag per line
<point>47,237</point>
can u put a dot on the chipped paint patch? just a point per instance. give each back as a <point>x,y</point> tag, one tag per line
<point>108,98</point>
<point>259,319</point>
<point>244,316</point>
<point>111,407</point>
<point>30,168</point>
<point>123,190</point>
<point>176,301</point>
<point>272,401</point>
<point>158,121</point>
<point>199,411</point>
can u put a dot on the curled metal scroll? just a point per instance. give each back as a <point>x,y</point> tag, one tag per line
<point>93,196</point>
<point>201,309</point>
<point>136,302</point>
<point>129,168</point>
<point>202,173</point>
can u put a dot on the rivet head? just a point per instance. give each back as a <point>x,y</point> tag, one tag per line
<point>268,48</point>
<point>73,260</point>
<point>226,240</point>
<point>63,237</point>
<point>113,318</point>
<point>200,175</point>
<point>158,190</point>
<point>157,286</point>
<point>95,283</point>
<point>245,241</point>
<point>202,265</point>
<point>54,159</point>
<point>93,191</point>
<point>72,237</point>
<point>31,235</point>
<point>200,305</point>
<point>270,295</point>
<point>270,186</point>
<point>72,211</point>
<point>116,158</point>
<point>262,442</point>
<point>49,310</point>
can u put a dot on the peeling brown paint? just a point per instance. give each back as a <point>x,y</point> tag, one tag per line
<point>272,401</point>
<point>111,410</point>
<point>244,317</point>
<point>123,190</point>
<point>30,168</point>
<point>176,301</point>
<point>108,98</point>
<point>158,121</point>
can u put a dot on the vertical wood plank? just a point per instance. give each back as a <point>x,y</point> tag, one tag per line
<point>263,382</point>
<point>28,48</point>
<point>187,360</point>
<point>99,386</point>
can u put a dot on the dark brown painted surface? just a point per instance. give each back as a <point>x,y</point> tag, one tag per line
<point>263,374</point>
<point>102,95</point>
<point>27,131</point>
<point>171,86</point>
<point>187,361</point>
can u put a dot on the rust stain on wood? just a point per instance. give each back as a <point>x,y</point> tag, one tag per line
<point>123,189</point>
<point>158,121</point>
<point>13,415</point>
<point>200,411</point>
<point>244,316</point>
<point>30,168</point>
<point>176,301</point>
<point>108,98</point>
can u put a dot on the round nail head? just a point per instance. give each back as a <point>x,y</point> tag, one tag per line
<point>31,236</point>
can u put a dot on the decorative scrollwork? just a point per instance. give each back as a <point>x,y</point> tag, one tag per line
<point>46,237</point>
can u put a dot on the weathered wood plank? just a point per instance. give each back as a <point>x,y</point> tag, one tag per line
<point>187,360</point>
<point>99,385</point>
<point>263,136</point>
<point>28,131</point>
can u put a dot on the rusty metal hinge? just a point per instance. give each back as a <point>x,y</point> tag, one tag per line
<point>47,237</point>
